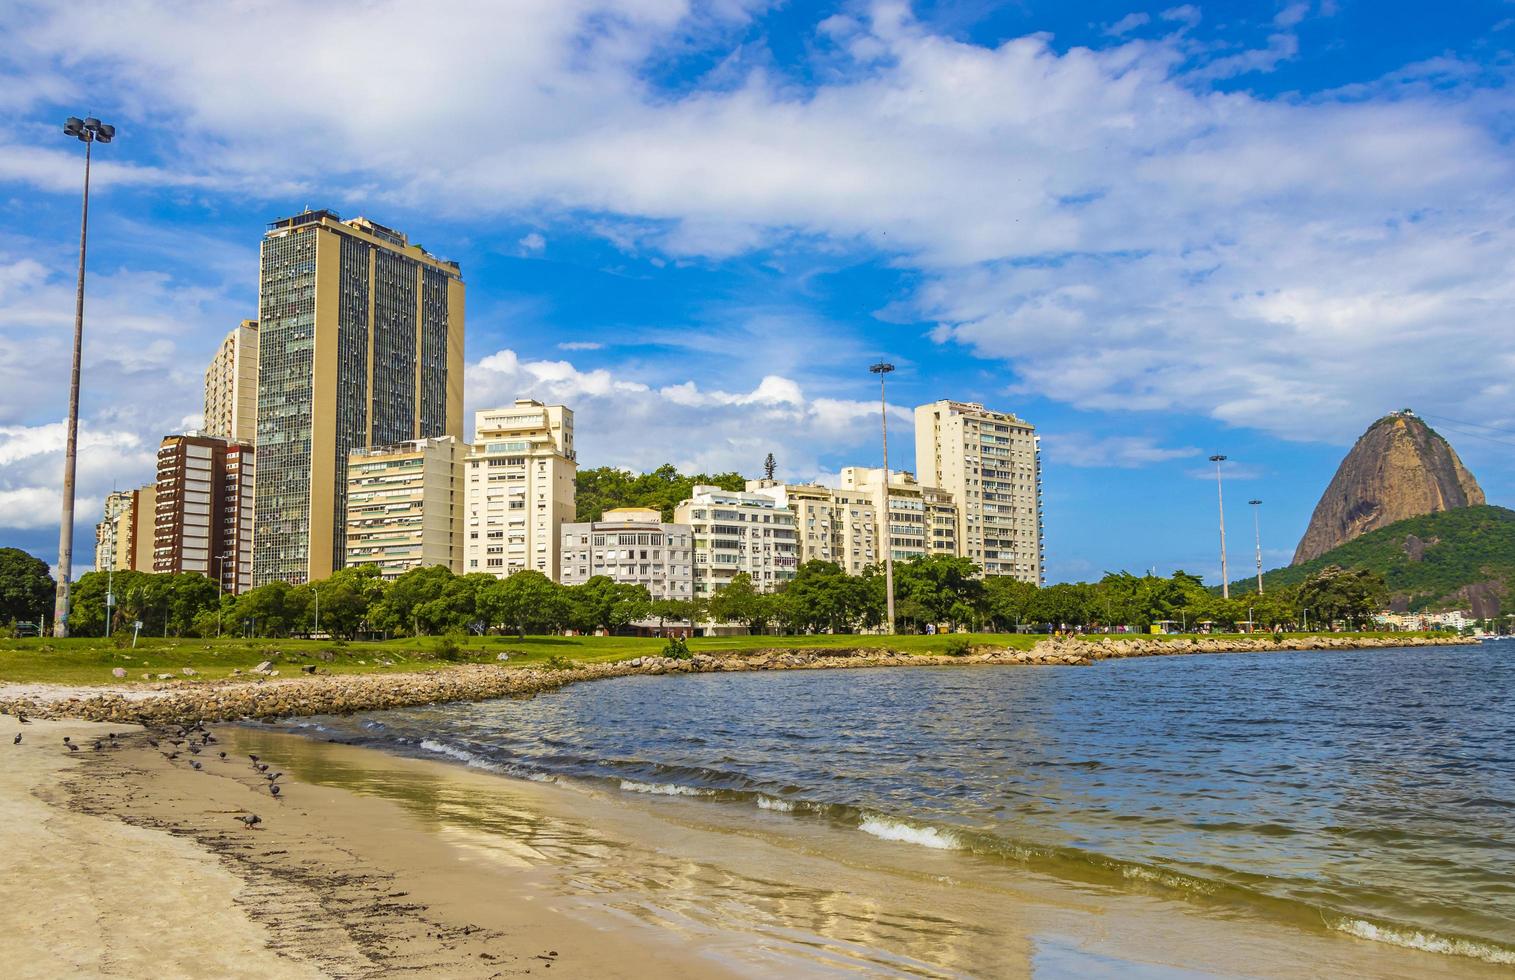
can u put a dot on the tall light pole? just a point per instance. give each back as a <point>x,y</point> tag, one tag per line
<point>1257,532</point>
<point>89,132</point>
<point>882,369</point>
<point>1225,574</point>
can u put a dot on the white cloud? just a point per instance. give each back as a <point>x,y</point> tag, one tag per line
<point>1082,449</point>
<point>629,423</point>
<point>1127,24</point>
<point>1101,220</point>
<point>31,473</point>
<point>580,345</point>
<point>533,242</point>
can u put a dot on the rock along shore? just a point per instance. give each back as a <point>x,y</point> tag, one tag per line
<point>226,700</point>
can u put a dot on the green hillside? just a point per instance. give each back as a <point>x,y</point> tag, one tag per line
<point>1455,558</point>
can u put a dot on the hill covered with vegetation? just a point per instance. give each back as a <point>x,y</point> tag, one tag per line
<point>605,487</point>
<point>1457,558</point>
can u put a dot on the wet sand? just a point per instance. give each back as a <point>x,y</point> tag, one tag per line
<point>126,863</point>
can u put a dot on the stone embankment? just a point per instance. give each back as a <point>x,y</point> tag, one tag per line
<point>185,701</point>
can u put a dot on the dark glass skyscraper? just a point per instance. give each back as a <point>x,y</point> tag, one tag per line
<point>360,343</point>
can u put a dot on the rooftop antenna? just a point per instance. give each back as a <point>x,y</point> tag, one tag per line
<point>769,466</point>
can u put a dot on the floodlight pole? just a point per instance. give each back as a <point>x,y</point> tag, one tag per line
<point>1225,575</point>
<point>88,131</point>
<point>1257,533</point>
<point>882,369</point>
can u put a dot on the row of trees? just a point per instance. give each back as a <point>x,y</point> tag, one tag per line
<point>940,590</point>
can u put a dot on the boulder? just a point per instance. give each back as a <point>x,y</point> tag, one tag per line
<point>119,673</point>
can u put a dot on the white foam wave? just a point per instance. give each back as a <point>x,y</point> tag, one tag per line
<point>941,840</point>
<point>771,803</point>
<point>664,789</point>
<point>1428,941</point>
<point>461,755</point>
<point>1134,872</point>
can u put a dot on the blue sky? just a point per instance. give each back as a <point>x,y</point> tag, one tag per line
<point>1156,232</point>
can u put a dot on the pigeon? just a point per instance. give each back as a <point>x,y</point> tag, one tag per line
<point>222,754</point>
<point>253,758</point>
<point>152,741</point>
<point>194,764</point>
<point>66,740</point>
<point>72,747</point>
<point>98,745</point>
<point>194,749</point>
<point>18,739</point>
<point>251,820</point>
<point>23,719</point>
<point>262,767</point>
<point>273,788</point>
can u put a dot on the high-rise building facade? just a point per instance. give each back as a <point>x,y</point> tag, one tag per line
<point>204,504</point>
<point>831,524</point>
<point>737,532</point>
<point>991,464</point>
<point>405,506</point>
<point>634,546</point>
<point>360,343</point>
<point>231,387</point>
<point>520,474</point>
<point>124,539</point>
<point>922,520</point>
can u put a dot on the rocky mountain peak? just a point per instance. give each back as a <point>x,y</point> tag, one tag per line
<point>1399,468</point>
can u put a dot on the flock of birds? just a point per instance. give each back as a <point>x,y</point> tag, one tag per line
<point>194,739</point>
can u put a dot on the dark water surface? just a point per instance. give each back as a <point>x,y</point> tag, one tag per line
<point>1371,793</point>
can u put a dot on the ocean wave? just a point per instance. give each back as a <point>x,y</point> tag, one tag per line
<point>773,803</point>
<point>664,789</point>
<point>1428,941</point>
<point>886,829</point>
<point>1168,879</point>
<point>461,755</point>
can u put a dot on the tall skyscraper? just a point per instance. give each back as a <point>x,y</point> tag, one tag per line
<point>520,488</point>
<point>231,387</point>
<point>205,510</point>
<point>991,464</point>
<point>360,343</point>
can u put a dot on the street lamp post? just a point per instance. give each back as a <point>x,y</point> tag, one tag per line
<point>220,587</point>
<point>89,132</point>
<point>1257,533</point>
<point>1225,575</point>
<point>883,369</point>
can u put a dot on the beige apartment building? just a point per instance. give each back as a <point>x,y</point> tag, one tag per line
<point>204,510</point>
<point>736,532</point>
<point>231,387</point>
<point>831,524</point>
<point>631,545</point>
<point>124,539</point>
<point>405,506</point>
<point>991,464</point>
<point>520,473</point>
<point>922,520</point>
<point>360,343</point>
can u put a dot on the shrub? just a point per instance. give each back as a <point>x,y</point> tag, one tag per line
<point>959,646</point>
<point>558,662</point>
<point>677,649</point>
<point>448,648</point>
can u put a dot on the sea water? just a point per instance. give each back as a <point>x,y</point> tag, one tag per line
<point>1370,794</point>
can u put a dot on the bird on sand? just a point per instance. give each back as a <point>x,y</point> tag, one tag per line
<point>194,764</point>
<point>194,749</point>
<point>253,758</point>
<point>221,754</point>
<point>273,788</point>
<point>251,820</point>
<point>23,719</point>
<point>66,740</point>
<point>262,767</point>
<point>72,747</point>
<point>99,745</point>
<point>18,739</point>
<point>272,776</point>
<point>152,741</point>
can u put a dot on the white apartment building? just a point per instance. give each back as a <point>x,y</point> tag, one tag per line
<point>922,519</point>
<point>634,546</point>
<point>405,506</point>
<point>991,464</point>
<point>520,473</point>
<point>736,532</point>
<point>831,524</point>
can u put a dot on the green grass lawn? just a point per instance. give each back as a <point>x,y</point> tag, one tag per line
<point>90,661</point>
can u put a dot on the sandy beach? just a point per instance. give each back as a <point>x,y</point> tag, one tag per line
<point>126,862</point>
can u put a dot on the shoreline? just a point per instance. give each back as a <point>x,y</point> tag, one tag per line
<point>373,863</point>
<point>183,702</point>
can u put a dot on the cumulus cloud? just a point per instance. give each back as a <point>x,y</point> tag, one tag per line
<point>533,242</point>
<point>31,472</point>
<point>624,422</point>
<point>1103,220</point>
